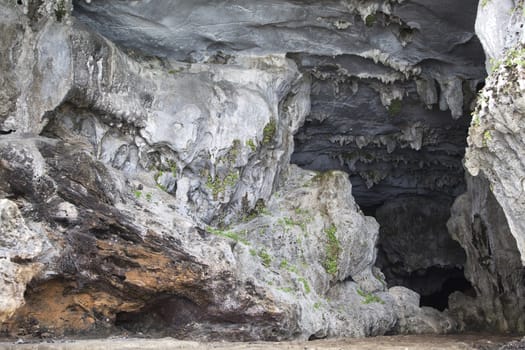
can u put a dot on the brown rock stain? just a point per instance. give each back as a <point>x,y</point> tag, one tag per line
<point>60,306</point>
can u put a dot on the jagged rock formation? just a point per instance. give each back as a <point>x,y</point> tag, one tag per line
<point>496,135</point>
<point>400,132</point>
<point>19,245</point>
<point>145,152</point>
<point>488,220</point>
<point>133,166</point>
<point>493,263</point>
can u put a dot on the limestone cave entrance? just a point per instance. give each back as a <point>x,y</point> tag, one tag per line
<point>402,142</point>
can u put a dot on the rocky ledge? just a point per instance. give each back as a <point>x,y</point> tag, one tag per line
<point>200,171</point>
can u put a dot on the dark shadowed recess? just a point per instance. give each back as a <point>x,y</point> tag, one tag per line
<point>403,151</point>
<point>404,160</point>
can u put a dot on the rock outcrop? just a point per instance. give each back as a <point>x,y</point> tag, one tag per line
<point>399,129</point>
<point>488,221</point>
<point>493,263</point>
<point>496,140</point>
<point>20,249</point>
<point>157,194</point>
<point>146,184</point>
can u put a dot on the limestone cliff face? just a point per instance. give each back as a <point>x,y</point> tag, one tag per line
<point>145,153</point>
<point>493,263</point>
<point>496,135</point>
<point>488,221</point>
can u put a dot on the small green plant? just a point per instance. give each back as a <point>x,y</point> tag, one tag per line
<point>487,137</point>
<point>317,305</point>
<point>484,3</point>
<point>286,221</point>
<point>60,10</point>
<point>514,57</point>
<point>173,168</point>
<point>149,196</point>
<point>321,177</point>
<point>394,108</point>
<point>495,64</point>
<point>306,286</point>
<point>287,289</point>
<point>137,194</point>
<point>300,211</point>
<point>285,265</point>
<point>259,209</point>
<point>475,120</point>
<point>370,20</point>
<point>218,186</point>
<point>253,252</point>
<point>266,259</point>
<point>157,177</point>
<point>228,234</point>
<point>269,132</point>
<point>333,249</point>
<point>233,153</point>
<point>250,143</point>
<point>369,297</point>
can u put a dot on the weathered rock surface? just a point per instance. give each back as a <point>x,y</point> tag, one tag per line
<point>416,320</point>
<point>488,220</point>
<point>162,193</point>
<point>493,263</point>
<point>116,264</point>
<point>145,169</point>
<point>496,142</point>
<point>20,248</point>
<point>498,26</point>
<point>496,136</point>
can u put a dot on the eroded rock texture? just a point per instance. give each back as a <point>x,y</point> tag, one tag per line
<point>488,220</point>
<point>160,188</point>
<point>493,263</point>
<point>496,135</point>
<point>145,152</point>
<point>397,124</point>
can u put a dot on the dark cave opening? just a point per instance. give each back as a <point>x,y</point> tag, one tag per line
<point>439,299</point>
<point>165,314</point>
<point>403,153</point>
<point>405,171</point>
<point>400,135</point>
<point>415,249</point>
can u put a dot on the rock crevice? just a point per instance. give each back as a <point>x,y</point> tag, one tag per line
<point>145,152</point>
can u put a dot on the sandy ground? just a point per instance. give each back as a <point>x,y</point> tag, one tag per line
<point>424,342</point>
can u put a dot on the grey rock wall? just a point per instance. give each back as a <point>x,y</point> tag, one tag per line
<point>145,153</point>
<point>488,220</point>
<point>160,190</point>
<point>496,136</point>
<point>493,263</point>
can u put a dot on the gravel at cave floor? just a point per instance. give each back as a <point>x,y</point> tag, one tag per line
<point>419,342</point>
